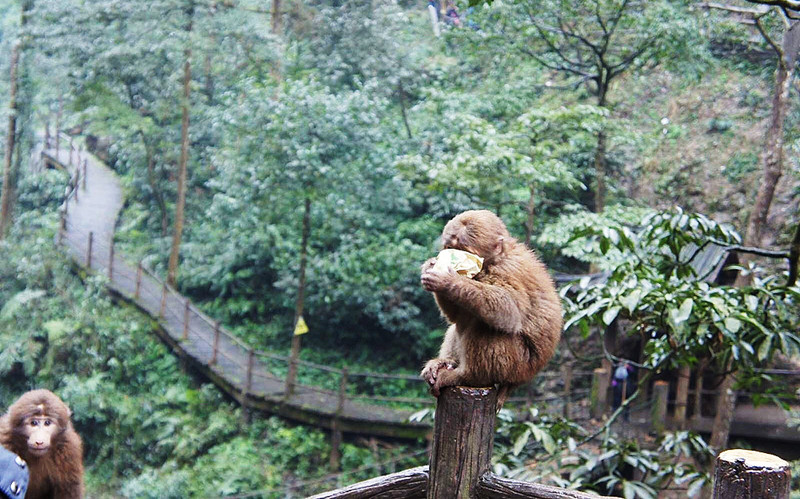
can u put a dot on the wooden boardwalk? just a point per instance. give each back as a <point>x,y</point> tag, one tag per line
<point>251,377</point>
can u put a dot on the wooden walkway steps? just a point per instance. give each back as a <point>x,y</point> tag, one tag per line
<point>254,378</point>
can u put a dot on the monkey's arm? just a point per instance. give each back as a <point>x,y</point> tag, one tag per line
<point>494,305</point>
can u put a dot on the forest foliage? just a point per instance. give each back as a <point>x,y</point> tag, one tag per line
<point>653,111</point>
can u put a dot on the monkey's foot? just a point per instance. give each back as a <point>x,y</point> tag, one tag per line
<point>430,373</point>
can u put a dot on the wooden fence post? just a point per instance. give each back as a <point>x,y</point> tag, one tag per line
<point>216,343</point>
<point>186,319</point>
<point>111,259</point>
<point>47,134</point>
<point>83,181</point>
<point>698,392</point>
<point>659,410</point>
<point>682,396</point>
<point>62,223</point>
<point>336,432</point>
<point>138,280</point>
<point>70,151</point>
<point>463,437</point>
<point>599,395</point>
<point>163,308</point>
<point>250,356</point>
<point>76,184</point>
<point>749,474</point>
<point>567,390</point>
<point>89,251</point>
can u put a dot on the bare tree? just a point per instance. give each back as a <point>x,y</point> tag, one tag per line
<point>172,268</point>
<point>773,158</point>
<point>595,41</point>
<point>7,192</point>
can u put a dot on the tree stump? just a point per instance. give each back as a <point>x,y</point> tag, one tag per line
<point>746,474</point>
<point>463,437</point>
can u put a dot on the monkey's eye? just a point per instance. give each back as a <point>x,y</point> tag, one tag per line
<point>34,422</point>
<point>47,422</point>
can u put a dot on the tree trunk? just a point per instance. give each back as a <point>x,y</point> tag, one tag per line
<point>275,18</point>
<point>151,180</point>
<point>726,405</point>
<point>773,146</point>
<point>301,291</point>
<point>172,268</point>
<point>600,153</point>
<point>401,91</point>
<point>773,168</point>
<point>794,256</point>
<point>8,191</point>
<point>600,173</point>
<point>531,210</point>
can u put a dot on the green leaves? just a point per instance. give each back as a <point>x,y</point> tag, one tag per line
<point>658,280</point>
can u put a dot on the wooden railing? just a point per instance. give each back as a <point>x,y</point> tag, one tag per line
<point>459,465</point>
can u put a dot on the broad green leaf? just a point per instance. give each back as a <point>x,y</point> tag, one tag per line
<point>610,314</point>
<point>732,324</point>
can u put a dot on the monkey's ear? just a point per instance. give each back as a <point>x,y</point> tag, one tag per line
<point>499,247</point>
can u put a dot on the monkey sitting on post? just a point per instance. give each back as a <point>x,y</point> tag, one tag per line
<point>505,323</point>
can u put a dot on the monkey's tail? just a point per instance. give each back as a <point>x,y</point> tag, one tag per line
<point>502,395</point>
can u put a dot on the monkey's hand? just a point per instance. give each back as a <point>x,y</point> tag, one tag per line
<point>428,264</point>
<point>433,280</point>
<point>430,373</point>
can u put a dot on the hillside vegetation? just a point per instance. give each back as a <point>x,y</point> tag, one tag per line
<point>324,149</point>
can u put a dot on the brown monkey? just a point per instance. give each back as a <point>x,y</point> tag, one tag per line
<point>37,428</point>
<point>505,322</point>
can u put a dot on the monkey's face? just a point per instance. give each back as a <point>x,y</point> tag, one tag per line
<point>478,232</point>
<point>40,430</point>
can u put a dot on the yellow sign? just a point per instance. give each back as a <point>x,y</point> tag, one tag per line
<point>301,327</point>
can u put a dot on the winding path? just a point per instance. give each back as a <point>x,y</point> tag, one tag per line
<point>251,377</point>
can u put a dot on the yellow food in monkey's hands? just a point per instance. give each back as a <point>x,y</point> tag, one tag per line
<point>466,264</point>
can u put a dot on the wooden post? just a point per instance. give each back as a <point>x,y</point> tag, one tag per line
<point>89,251</point>
<point>463,437</point>
<point>76,184</point>
<point>250,356</point>
<point>111,259</point>
<point>216,343</point>
<point>163,301</point>
<point>47,134</point>
<point>138,280</point>
<point>749,474</point>
<point>336,432</point>
<point>70,151</point>
<point>62,223</point>
<point>698,392</point>
<point>682,396</point>
<point>186,319</point>
<point>567,389</point>
<point>659,414</point>
<point>83,180</point>
<point>599,395</point>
